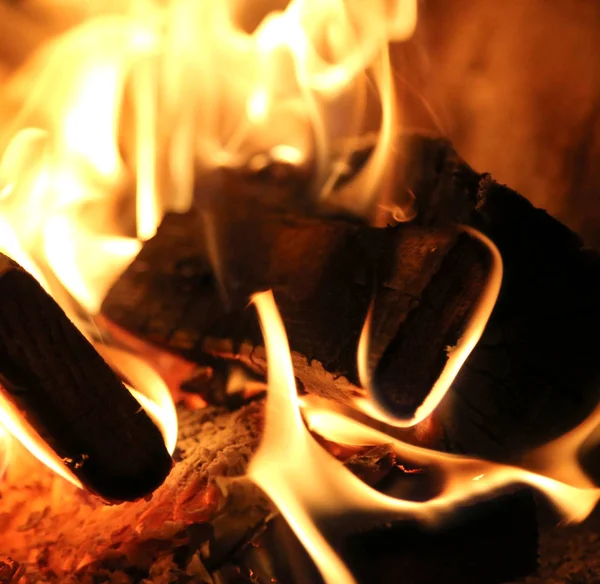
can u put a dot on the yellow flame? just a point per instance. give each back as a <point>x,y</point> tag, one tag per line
<point>574,494</point>
<point>313,490</point>
<point>65,181</point>
<point>296,78</point>
<point>305,495</point>
<point>5,450</point>
<point>67,214</point>
<point>12,421</point>
<point>459,354</point>
<point>207,83</point>
<point>114,117</point>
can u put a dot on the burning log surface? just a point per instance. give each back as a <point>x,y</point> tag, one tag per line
<point>532,375</point>
<point>51,375</point>
<point>427,278</point>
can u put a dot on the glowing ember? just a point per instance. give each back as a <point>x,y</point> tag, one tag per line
<point>150,93</point>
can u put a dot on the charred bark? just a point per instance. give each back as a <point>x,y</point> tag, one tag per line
<point>55,379</point>
<point>492,542</point>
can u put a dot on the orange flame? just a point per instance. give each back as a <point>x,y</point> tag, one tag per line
<point>313,490</point>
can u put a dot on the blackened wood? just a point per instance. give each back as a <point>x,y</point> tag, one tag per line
<point>533,375</point>
<point>432,327</point>
<point>71,397</point>
<point>535,372</point>
<point>324,273</point>
<point>494,541</point>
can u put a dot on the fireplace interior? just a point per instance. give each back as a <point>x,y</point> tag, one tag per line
<point>261,318</point>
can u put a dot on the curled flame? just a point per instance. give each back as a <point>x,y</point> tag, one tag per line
<point>313,490</point>
<point>149,388</point>
<point>480,315</point>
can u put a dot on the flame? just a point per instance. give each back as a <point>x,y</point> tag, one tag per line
<point>480,315</point>
<point>113,120</point>
<point>314,491</point>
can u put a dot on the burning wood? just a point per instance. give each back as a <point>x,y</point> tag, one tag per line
<point>60,530</point>
<point>426,278</point>
<point>208,519</point>
<point>381,318</point>
<point>56,383</point>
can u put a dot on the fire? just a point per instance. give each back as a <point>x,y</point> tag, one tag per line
<point>112,124</point>
<point>314,491</point>
<point>64,186</point>
<point>111,121</point>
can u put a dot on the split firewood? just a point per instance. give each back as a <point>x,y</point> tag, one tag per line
<point>530,378</point>
<point>53,381</point>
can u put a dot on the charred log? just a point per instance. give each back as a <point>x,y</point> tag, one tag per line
<point>532,376</point>
<point>52,376</point>
<point>491,542</point>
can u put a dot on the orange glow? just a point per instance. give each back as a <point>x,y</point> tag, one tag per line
<point>12,421</point>
<point>298,475</point>
<point>456,358</point>
<point>297,82</point>
<point>5,450</point>
<point>314,491</point>
<point>116,118</point>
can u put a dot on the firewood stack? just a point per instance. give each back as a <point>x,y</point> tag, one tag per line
<point>531,377</point>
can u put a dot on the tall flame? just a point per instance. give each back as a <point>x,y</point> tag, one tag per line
<point>313,490</point>
<point>64,185</point>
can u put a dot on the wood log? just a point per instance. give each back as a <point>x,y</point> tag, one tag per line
<point>62,534</point>
<point>324,271</point>
<point>535,373</point>
<point>531,377</point>
<point>52,376</point>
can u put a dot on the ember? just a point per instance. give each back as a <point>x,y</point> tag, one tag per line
<point>238,298</point>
